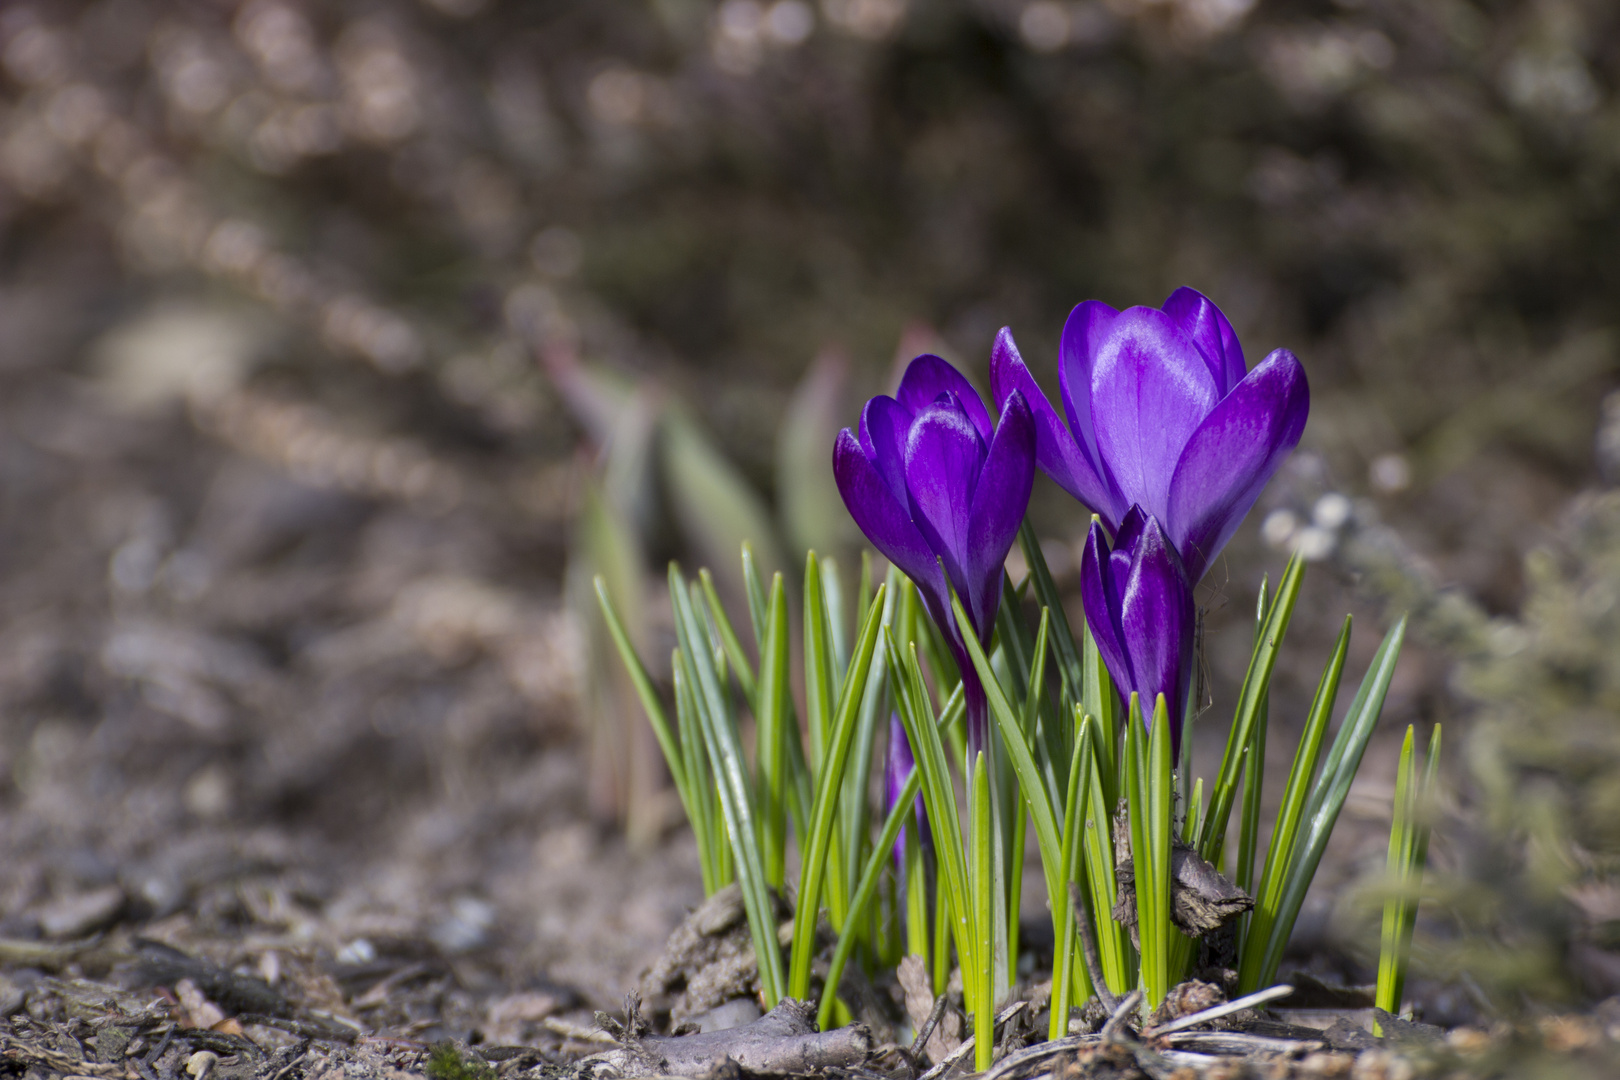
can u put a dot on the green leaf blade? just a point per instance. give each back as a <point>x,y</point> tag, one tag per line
<point>737,805</point>
<point>1285,830</point>
<point>773,713</point>
<point>1256,683</point>
<point>817,845</point>
<point>984,1013</point>
<point>864,891</point>
<point>1327,797</point>
<point>939,798</point>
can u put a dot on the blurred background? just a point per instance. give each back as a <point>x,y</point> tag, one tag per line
<point>341,343</point>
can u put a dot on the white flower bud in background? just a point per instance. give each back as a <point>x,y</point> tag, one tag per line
<point>1279,527</point>
<point>1314,543</point>
<point>1332,511</point>
<point>1389,474</point>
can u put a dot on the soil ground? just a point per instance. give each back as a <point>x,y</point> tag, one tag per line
<point>278,726</point>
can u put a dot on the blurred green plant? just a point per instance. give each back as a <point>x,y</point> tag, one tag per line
<point>1408,855</point>
<point>1524,908</point>
<point>656,459</point>
<point>1544,752</point>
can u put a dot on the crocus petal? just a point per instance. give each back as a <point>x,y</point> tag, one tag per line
<point>1210,331</point>
<point>1149,390</point>
<point>899,763</point>
<point>1057,452</point>
<point>999,502</point>
<point>1119,560</point>
<point>1130,527</point>
<point>884,423</point>
<point>882,517</point>
<point>1156,623</point>
<point>928,376</point>
<point>1101,602</point>
<point>897,768</point>
<point>944,454</point>
<point>1232,454</point>
<point>1084,332</point>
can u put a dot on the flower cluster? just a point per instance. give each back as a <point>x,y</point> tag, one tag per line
<point>1169,439</point>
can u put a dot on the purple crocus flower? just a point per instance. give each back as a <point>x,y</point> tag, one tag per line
<point>1162,414</point>
<point>897,769</point>
<point>940,492</point>
<point>1139,606</point>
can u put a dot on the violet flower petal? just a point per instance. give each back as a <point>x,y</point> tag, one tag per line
<point>897,769</point>
<point>1119,559</point>
<point>1213,335</point>
<point>884,423</point>
<point>944,455</point>
<point>923,514</point>
<point>881,516</point>
<point>1150,389</point>
<point>1084,332</point>
<point>1057,452</point>
<point>1156,623</point>
<point>1130,527</point>
<point>999,502</point>
<point>1231,456</point>
<point>1086,328</point>
<point>928,376</point>
<point>1101,602</point>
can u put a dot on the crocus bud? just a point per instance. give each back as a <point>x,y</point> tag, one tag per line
<point>941,492</point>
<point>1139,607</point>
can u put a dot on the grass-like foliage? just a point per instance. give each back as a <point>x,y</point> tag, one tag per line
<point>1066,750</point>
<point>1408,851</point>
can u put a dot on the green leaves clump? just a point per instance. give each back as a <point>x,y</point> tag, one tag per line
<point>1066,752</point>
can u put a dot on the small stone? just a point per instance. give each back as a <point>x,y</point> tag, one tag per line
<point>1381,1065</point>
<point>358,951</point>
<point>12,997</point>
<point>82,913</point>
<point>1566,1034</point>
<point>1326,1065</point>
<point>466,927</point>
<point>1470,1042</point>
<point>200,1063</point>
<point>202,1012</point>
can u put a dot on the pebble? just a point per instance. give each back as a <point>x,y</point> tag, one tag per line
<point>1381,1065</point>
<point>1326,1065</point>
<point>200,1063</point>
<point>82,913</point>
<point>1470,1042</point>
<point>12,997</point>
<point>202,1012</point>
